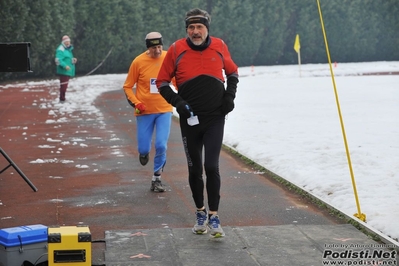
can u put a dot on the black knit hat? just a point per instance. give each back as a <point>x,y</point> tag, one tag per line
<point>153,39</point>
<point>197,19</point>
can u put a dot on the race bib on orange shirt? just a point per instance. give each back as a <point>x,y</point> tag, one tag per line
<point>153,86</point>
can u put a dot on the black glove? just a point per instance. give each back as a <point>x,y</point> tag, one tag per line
<point>228,103</point>
<point>229,95</point>
<point>183,109</point>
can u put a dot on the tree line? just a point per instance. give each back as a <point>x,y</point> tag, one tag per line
<point>257,32</point>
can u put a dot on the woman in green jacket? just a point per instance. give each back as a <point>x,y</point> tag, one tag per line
<point>65,64</point>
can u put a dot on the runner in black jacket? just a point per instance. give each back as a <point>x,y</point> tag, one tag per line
<point>199,63</point>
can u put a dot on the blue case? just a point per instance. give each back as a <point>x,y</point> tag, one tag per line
<point>23,235</point>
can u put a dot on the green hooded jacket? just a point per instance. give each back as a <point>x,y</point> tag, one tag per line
<point>63,58</point>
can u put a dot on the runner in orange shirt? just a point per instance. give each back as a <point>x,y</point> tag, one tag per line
<point>152,112</point>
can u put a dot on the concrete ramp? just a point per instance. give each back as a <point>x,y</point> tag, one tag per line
<point>253,245</point>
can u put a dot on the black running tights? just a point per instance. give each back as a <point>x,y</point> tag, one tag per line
<point>207,136</point>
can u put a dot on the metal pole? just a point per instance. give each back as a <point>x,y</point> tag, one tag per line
<point>16,169</point>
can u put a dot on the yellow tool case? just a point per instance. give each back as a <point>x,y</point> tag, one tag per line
<point>69,244</point>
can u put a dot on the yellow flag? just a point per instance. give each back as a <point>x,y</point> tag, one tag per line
<point>297,45</point>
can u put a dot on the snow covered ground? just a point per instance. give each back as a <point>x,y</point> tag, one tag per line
<point>286,119</point>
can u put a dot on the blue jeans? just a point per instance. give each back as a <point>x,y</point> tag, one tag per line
<point>146,124</point>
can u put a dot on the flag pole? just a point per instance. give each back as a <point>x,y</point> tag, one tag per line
<point>361,216</point>
<point>299,62</point>
<point>297,48</point>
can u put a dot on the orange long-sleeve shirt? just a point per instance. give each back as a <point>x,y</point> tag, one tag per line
<point>143,73</point>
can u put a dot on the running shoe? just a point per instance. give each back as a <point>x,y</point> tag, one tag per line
<point>157,186</point>
<point>200,227</point>
<point>144,158</point>
<point>214,227</point>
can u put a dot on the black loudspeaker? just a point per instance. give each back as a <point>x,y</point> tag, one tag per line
<point>15,57</point>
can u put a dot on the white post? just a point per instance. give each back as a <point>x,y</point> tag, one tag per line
<point>299,61</point>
